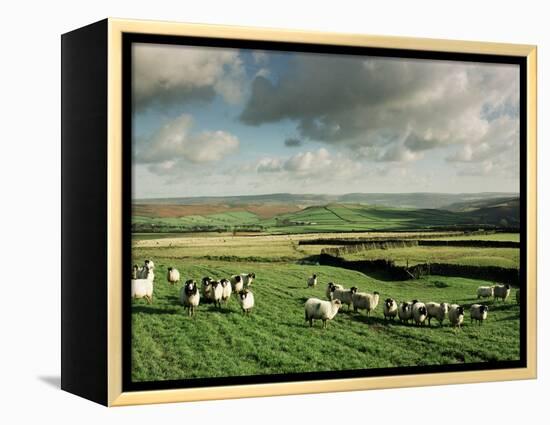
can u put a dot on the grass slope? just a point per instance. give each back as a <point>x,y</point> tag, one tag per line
<point>166,344</point>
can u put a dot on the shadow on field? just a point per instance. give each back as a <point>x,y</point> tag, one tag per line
<point>151,309</point>
<point>224,310</point>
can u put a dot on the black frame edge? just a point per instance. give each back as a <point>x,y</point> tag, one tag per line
<point>84,212</point>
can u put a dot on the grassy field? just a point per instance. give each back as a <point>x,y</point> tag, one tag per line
<point>166,344</point>
<point>314,219</point>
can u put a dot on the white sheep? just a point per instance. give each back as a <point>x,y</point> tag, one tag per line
<point>331,286</point>
<point>143,288</point>
<point>312,281</point>
<point>456,315</point>
<point>316,309</point>
<point>216,293</point>
<point>237,283</point>
<point>246,300</point>
<point>518,297</point>
<point>390,309</point>
<point>437,310</point>
<point>344,295</point>
<point>190,296</point>
<point>226,292</point>
<point>419,313</point>
<point>502,291</point>
<point>206,288</point>
<point>405,311</point>
<point>485,292</point>
<point>364,301</point>
<point>478,312</point>
<point>173,276</point>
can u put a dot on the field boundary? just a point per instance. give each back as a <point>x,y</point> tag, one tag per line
<point>490,273</point>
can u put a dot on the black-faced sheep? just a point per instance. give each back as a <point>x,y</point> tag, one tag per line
<point>344,295</point>
<point>190,296</point>
<point>331,286</point>
<point>485,292</point>
<point>478,312</point>
<point>390,309</point>
<point>502,292</point>
<point>312,281</point>
<point>456,315</point>
<point>173,276</point>
<point>419,313</point>
<point>246,300</point>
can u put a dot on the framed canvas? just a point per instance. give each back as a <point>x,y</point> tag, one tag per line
<point>254,212</point>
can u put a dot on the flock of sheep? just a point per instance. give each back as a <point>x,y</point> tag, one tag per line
<point>415,311</point>
<point>219,292</point>
<point>213,291</point>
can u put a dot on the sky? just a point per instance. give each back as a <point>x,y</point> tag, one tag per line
<point>218,122</point>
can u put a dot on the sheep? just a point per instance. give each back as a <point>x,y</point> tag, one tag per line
<point>478,312</point>
<point>248,278</point>
<point>405,311</point>
<point>173,276</point>
<point>135,271</point>
<point>364,301</point>
<point>331,286</point>
<point>456,315</point>
<point>502,291</point>
<point>390,309</point>
<point>143,288</point>
<point>206,288</point>
<point>246,299</point>
<point>485,292</point>
<point>518,297</point>
<point>146,270</point>
<point>190,296</point>
<point>216,293</point>
<point>344,295</point>
<point>419,313</point>
<point>437,310</point>
<point>226,292</point>
<point>237,284</point>
<point>316,309</point>
<point>312,281</point>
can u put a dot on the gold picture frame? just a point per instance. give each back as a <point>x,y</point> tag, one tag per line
<point>115,396</point>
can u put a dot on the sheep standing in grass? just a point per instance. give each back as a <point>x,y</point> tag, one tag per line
<point>478,312</point>
<point>147,271</point>
<point>226,292</point>
<point>405,311</point>
<point>456,315</point>
<point>248,278</point>
<point>502,292</point>
<point>331,286</point>
<point>344,295</point>
<point>190,296</point>
<point>485,292</point>
<point>216,293</point>
<point>316,309</point>
<point>518,297</point>
<point>390,309</point>
<point>312,281</point>
<point>437,310</point>
<point>237,284</point>
<point>364,301</point>
<point>135,271</point>
<point>246,300</point>
<point>173,276</point>
<point>143,288</point>
<point>419,313</point>
<point>206,288</point>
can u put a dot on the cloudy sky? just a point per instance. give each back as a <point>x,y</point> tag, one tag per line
<point>210,121</point>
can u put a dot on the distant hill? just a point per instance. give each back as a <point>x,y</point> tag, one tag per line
<point>419,200</point>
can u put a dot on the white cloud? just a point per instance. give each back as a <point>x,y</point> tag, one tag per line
<point>166,74</point>
<point>175,142</point>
